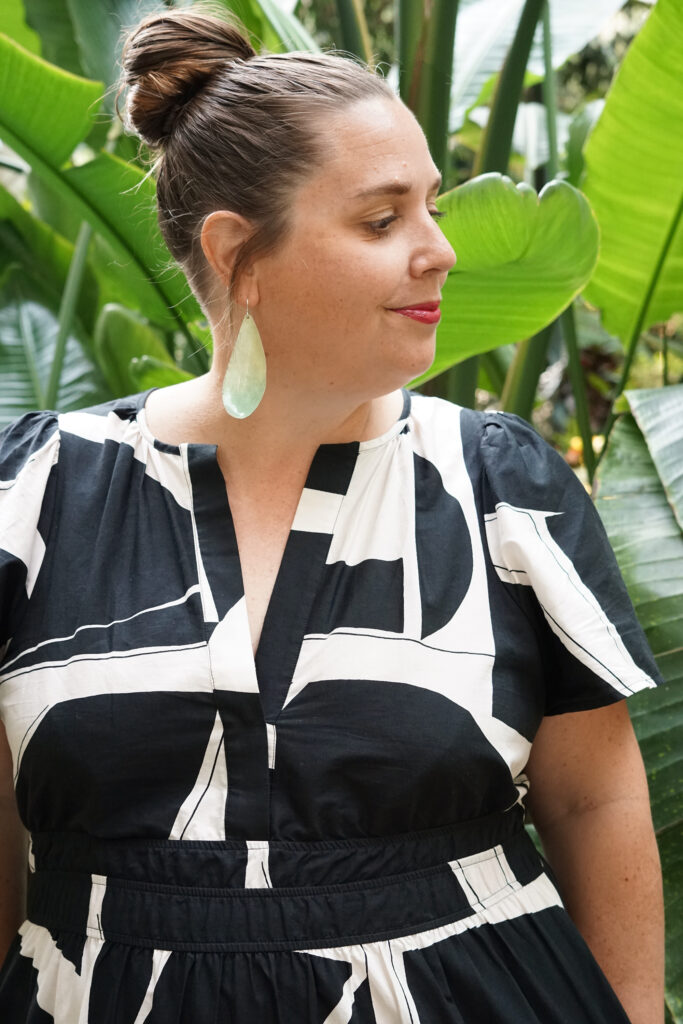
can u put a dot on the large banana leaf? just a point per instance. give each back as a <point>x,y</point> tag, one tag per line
<point>13,23</point>
<point>634,181</point>
<point>287,28</point>
<point>521,258</point>
<point>28,241</point>
<point>46,109</point>
<point>120,337</point>
<point>28,330</point>
<point>52,22</point>
<point>648,543</point>
<point>115,197</point>
<point>659,414</point>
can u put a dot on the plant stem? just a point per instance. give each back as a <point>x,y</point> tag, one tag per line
<point>354,29</point>
<point>67,307</point>
<point>72,287</point>
<point>497,142</point>
<point>30,352</point>
<point>578,388</point>
<point>461,382</point>
<point>521,382</point>
<point>494,154</point>
<point>644,306</point>
<point>549,93</point>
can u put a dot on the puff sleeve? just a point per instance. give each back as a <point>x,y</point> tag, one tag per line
<point>543,532</point>
<point>29,450</point>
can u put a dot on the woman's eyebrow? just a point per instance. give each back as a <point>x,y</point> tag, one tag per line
<point>395,188</point>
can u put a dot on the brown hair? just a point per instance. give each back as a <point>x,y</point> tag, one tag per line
<point>232,129</point>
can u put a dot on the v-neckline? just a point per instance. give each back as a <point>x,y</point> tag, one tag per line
<point>308,542</point>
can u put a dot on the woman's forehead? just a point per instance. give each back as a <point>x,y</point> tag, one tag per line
<point>372,147</point>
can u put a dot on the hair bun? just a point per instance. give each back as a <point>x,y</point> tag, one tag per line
<point>167,59</point>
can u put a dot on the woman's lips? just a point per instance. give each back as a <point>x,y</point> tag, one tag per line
<point>422,315</point>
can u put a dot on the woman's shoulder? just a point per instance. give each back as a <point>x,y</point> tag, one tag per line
<point>499,440</point>
<point>31,439</point>
<point>36,443</point>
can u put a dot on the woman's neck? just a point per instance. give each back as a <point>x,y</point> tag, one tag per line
<point>285,429</point>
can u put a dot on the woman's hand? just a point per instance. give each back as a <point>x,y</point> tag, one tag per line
<point>13,847</point>
<point>589,802</point>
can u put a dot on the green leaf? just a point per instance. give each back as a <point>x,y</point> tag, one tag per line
<point>121,336</point>
<point>115,197</point>
<point>13,24</point>
<point>355,37</point>
<point>648,543</point>
<point>119,201</point>
<point>99,27</point>
<point>485,31</point>
<point>148,372</point>
<point>634,181</point>
<point>288,28</point>
<point>26,240</point>
<point>32,90</point>
<point>52,21</point>
<point>28,329</point>
<point>659,414</point>
<point>521,259</point>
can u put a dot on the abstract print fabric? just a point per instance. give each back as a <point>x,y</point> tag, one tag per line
<point>330,832</point>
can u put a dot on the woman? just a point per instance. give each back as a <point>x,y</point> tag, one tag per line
<point>274,753</point>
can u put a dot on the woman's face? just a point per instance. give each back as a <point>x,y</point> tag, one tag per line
<point>363,242</point>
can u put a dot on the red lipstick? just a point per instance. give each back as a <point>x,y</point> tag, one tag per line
<point>423,312</point>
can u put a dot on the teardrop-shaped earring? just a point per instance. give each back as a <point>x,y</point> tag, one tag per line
<point>245,378</point>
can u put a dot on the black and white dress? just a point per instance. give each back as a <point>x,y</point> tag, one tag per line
<point>332,832</point>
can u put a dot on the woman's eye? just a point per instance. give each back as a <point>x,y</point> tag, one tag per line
<point>380,226</point>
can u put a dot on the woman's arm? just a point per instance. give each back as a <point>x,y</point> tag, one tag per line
<point>589,801</point>
<point>13,846</point>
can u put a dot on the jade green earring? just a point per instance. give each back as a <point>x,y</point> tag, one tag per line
<point>245,378</point>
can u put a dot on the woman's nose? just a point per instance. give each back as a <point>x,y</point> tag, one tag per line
<point>433,251</point>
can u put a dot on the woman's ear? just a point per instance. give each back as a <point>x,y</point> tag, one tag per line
<point>223,233</point>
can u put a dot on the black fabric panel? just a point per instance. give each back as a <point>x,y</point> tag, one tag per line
<point>363,1012</point>
<point>69,942</point>
<point>358,758</point>
<point>13,597</point>
<point>368,595</point>
<point>18,990</point>
<point>444,548</point>
<point>136,759</point>
<point>246,754</point>
<point>522,469</point>
<point>121,543</point>
<point>215,529</point>
<point>289,612</point>
<point>518,679</point>
<point>21,438</point>
<point>109,999</point>
<point>167,627</point>
<point>18,443</point>
<point>502,972</point>
<point>262,988</point>
<point>332,467</point>
<point>519,631</point>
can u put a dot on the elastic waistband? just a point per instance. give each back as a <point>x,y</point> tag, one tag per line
<point>229,863</point>
<point>269,915</point>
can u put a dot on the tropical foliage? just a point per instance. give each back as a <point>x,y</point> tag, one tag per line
<point>91,306</point>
